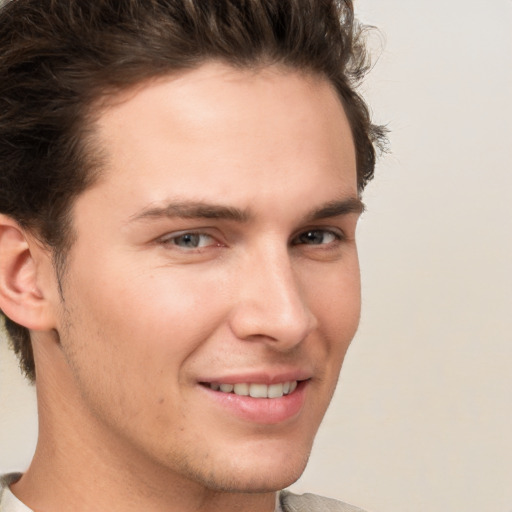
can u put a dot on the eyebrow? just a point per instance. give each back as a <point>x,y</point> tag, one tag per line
<point>337,208</point>
<point>201,210</point>
<point>194,210</point>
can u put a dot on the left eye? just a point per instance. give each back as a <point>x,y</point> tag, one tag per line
<point>316,237</point>
<point>191,240</point>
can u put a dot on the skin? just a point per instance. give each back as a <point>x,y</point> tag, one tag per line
<point>146,316</point>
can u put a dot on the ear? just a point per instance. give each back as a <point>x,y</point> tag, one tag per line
<point>23,267</point>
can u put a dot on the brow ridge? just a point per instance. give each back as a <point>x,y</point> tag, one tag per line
<point>201,210</point>
<point>194,210</point>
<point>338,207</point>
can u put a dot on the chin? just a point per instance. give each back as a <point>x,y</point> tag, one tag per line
<point>260,474</point>
<point>263,480</point>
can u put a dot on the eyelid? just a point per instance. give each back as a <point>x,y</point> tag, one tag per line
<point>338,233</point>
<point>169,237</point>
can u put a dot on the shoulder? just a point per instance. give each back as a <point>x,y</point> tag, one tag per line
<point>5,481</point>
<point>8,479</point>
<point>312,503</point>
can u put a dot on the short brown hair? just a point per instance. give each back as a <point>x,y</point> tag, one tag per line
<point>57,57</point>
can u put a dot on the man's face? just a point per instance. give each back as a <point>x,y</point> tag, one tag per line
<point>216,250</point>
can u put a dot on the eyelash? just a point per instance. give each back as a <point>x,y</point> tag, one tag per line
<point>337,236</point>
<point>172,239</point>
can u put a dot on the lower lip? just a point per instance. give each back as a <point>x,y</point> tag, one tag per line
<point>265,411</point>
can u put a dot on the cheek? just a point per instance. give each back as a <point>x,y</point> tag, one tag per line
<point>335,300</point>
<point>334,295</point>
<point>163,315</point>
<point>342,312</point>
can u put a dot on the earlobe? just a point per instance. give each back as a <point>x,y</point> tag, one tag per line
<point>21,298</point>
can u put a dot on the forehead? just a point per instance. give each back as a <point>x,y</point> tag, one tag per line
<point>217,130</point>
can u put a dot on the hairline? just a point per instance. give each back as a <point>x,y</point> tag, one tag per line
<point>106,97</point>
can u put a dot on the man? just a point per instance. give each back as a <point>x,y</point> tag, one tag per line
<point>180,186</point>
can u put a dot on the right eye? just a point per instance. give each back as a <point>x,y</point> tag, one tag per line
<point>189,240</point>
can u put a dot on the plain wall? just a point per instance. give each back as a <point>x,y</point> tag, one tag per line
<point>422,419</point>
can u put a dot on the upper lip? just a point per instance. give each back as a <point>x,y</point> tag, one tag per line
<point>260,377</point>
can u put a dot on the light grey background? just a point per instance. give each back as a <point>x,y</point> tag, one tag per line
<point>422,418</point>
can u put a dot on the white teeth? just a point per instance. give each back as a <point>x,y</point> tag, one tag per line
<point>275,391</point>
<point>257,390</point>
<point>241,389</point>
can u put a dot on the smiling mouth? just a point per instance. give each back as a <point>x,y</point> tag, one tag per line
<point>255,390</point>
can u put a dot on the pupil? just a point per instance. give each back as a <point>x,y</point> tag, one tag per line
<point>190,240</point>
<point>314,237</point>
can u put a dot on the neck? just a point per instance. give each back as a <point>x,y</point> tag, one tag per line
<point>87,468</point>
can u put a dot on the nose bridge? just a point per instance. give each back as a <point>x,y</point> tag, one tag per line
<point>271,303</point>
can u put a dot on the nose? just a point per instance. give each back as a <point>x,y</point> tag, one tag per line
<point>271,306</point>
